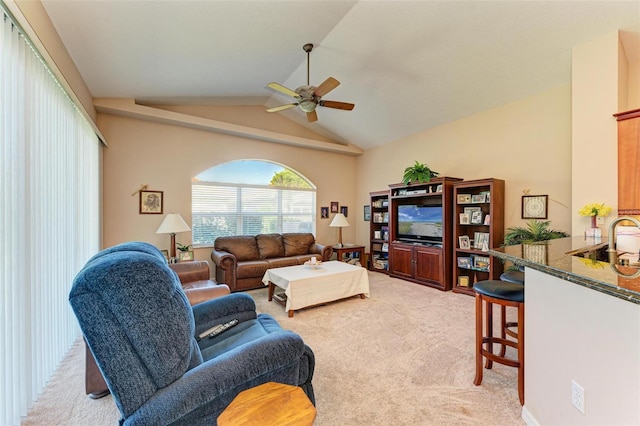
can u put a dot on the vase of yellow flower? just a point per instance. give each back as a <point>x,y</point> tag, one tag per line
<point>593,211</point>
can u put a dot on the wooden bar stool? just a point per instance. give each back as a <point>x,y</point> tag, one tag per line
<point>508,327</point>
<point>504,294</point>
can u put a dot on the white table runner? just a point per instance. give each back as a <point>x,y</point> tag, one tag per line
<point>331,281</point>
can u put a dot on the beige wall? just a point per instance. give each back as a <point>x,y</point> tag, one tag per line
<point>527,143</point>
<point>166,157</point>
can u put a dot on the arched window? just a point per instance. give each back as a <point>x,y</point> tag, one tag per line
<point>250,197</point>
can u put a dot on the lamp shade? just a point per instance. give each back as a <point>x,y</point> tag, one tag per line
<point>172,224</point>
<point>339,221</point>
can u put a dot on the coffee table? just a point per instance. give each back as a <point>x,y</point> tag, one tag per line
<point>305,286</point>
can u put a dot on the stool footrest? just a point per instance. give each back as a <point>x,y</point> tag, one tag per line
<point>498,358</point>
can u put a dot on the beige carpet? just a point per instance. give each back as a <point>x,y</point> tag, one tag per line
<point>403,357</point>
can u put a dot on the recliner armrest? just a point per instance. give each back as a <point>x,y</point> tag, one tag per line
<point>197,270</point>
<point>238,306</point>
<point>208,290</point>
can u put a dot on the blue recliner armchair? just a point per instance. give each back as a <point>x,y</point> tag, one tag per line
<point>142,332</point>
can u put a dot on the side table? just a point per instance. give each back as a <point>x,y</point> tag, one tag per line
<point>346,248</point>
<point>270,404</point>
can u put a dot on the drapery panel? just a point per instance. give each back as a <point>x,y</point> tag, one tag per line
<point>49,219</point>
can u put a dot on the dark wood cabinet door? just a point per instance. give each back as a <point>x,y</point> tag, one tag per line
<point>628,159</point>
<point>428,264</point>
<point>401,260</point>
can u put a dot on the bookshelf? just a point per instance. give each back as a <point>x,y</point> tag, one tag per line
<point>379,232</point>
<point>478,218</point>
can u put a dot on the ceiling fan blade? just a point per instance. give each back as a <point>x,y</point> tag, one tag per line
<point>312,116</point>
<point>337,105</point>
<point>282,107</point>
<point>326,86</point>
<point>280,88</point>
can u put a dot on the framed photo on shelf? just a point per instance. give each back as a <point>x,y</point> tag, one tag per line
<point>367,213</point>
<point>487,219</point>
<point>439,188</point>
<point>478,198</point>
<point>185,256</point>
<point>464,242</point>
<point>464,198</point>
<point>165,253</point>
<point>465,262</point>
<point>470,210</point>
<point>465,219</point>
<point>151,202</point>
<point>476,217</point>
<point>534,206</point>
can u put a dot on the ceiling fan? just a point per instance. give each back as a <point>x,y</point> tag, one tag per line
<point>309,97</point>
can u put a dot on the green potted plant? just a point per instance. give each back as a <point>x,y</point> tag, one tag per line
<point>418,173</point>
<point>536,230</point>
<point>182,247</point>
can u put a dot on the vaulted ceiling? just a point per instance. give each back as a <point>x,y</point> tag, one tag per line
<point>407,65</point>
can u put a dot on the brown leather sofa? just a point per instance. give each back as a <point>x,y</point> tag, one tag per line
<point>197,285</point>
<point>241,261</point>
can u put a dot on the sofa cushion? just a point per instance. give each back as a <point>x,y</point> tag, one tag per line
<point>270,245</point>
<point>242,247</point>
<point>252,269</point>
<point>280,262</point>
<point>296,244</point>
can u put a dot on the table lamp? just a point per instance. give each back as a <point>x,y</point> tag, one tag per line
<point>172,224</point>
<point>339,221</point>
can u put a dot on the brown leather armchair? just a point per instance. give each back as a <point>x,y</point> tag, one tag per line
<point>197,285</point>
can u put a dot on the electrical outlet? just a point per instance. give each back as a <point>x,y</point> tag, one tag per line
<point>577,396</point>
<point>599,220</point>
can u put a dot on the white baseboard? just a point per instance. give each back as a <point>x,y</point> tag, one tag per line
<point>528,417</point>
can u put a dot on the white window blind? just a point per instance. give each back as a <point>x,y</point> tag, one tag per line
<point>49,219</point>
<point>220,209</point>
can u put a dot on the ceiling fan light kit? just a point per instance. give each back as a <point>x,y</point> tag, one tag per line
<point>309,97</point>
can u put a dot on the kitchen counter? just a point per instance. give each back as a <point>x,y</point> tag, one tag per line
<point>581,330</point>
<point>554,258</point>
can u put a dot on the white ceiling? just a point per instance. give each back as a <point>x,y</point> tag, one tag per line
<point>407,65</point>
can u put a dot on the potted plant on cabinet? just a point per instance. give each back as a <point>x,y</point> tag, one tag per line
<point>185,252</point>
<point>418,173</point>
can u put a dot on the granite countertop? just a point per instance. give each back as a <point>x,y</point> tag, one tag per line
<point>555,258</point>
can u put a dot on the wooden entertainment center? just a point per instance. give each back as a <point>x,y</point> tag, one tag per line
<point>415,229</point>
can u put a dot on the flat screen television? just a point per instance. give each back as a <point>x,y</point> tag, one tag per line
<point>420,223</point>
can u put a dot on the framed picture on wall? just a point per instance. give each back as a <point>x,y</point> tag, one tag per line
<point>534,206</point>
<point>334,207</point>
<point>367,213</point>
<point>151,202</point>
<point>324,212</point>
<point>344,210</point>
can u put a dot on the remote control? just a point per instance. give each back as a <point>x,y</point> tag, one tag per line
<point>214,331</point>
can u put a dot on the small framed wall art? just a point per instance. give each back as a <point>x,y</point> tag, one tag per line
<point>324,212</point>
<point>344,210</point>
<point>334,207</point>
<point>367,213</point>
<point>534,206</point>
<point>151,202</point>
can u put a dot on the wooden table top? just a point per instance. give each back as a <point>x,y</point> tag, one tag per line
<point>269,404</point>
